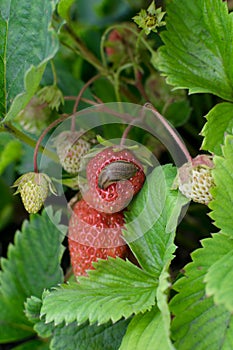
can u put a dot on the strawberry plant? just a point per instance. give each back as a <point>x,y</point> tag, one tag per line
<point>116,130</point>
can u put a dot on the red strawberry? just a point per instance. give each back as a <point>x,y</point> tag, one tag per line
<point>94,235</point>
<point>114,177</point>
<point>120,45</point>
<point>114,38</point>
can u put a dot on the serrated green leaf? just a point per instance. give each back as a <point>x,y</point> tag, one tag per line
<point>31,81</point>
<point>164,312</point>
<point>161,207</point>
<point>32,264</point>
<point>73,337</point>
<point>197,51</point>
<point>10,154</point>
<point>152,219</point>
<point>115,289</point>
<point>219,280</point>
<point>27,43</point>
<point>198,322</point>
<point>32,309</point>
<point>146,331</point>
<point>151,330</point>
<point>13,323</point>
<point>219,123</point>
<point>223,192</point>
<point>43,330</point>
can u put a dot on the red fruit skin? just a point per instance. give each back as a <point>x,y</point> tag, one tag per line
<point>114,37</point>
<point>117,195</point>
<point>92,236</point>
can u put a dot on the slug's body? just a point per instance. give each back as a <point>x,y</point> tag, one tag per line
<point>116,171</point>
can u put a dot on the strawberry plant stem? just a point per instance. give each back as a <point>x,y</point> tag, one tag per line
<point>129,127</point>
<point>8,127</point>
<point>124,135</point>
<point>139,85</point>
<point>52,125</point>
<point>85,86</point>
<point>170,130</point>
<point>54,73</point>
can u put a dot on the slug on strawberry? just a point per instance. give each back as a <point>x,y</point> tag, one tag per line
<point>116,171</point>
<point>114,176</point>
<point>93,235</point>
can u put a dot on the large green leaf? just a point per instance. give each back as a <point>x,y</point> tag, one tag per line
<point>13,323</point>
<point>223,192</point>
<point>27,42</point>
<point>73,337</point>
<point>198,322</point>
<point>203,313</point>
<point>146,331</point>
<point>152,219</point>
<point>198,53</point>
<point>219,123</point>
<point>32,311</point>
<point>219,279</point>
<point>115,289</point>
<point>32,264</point>
<point>164,317</point>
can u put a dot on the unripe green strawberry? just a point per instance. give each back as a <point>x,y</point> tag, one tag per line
<point>195,179</point>
<point>70,149</point>
<point>34,189</point>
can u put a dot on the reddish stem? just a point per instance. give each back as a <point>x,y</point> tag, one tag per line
<point>129,127</point>
<point>86,100</point>
<point>170,130</point>
<point>52,125</point>
<point>78,98</point>
<point>140,86</point>
<point>125,134</point>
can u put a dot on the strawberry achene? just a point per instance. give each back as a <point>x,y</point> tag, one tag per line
<point>93,235</point>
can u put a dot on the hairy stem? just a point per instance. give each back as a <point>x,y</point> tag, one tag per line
<point>172,133</point>
<point>37,147</point>
<point>85,86</point>
<point>125,134</point>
